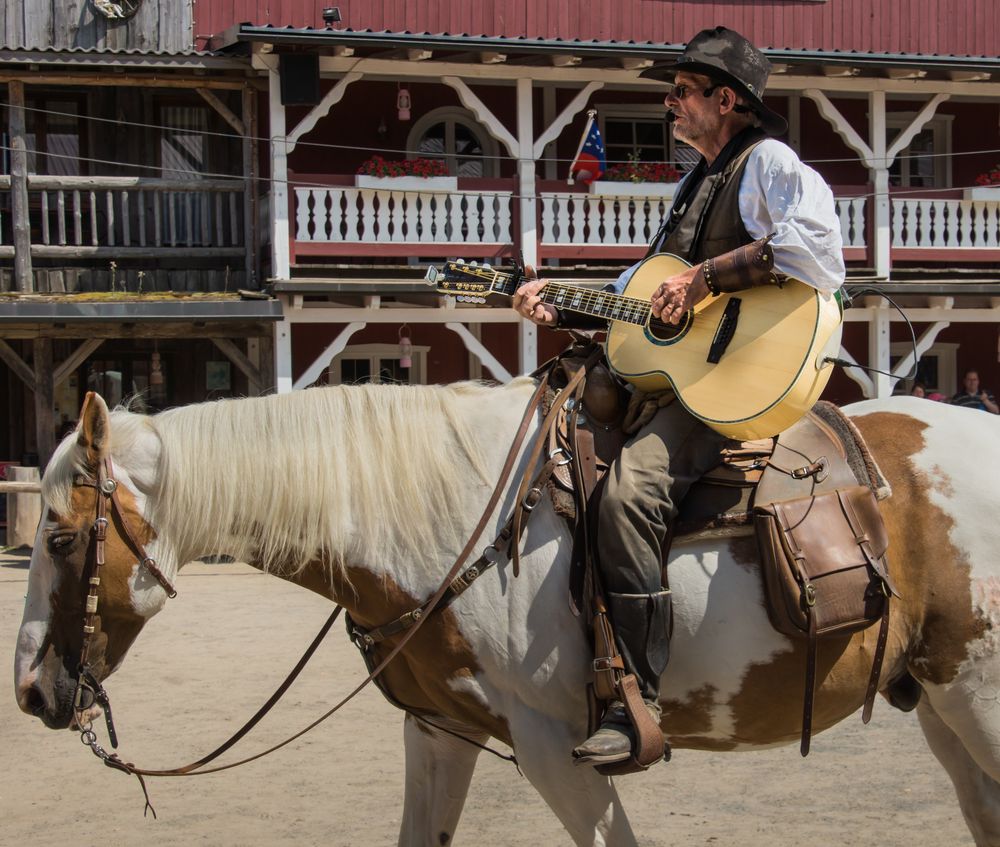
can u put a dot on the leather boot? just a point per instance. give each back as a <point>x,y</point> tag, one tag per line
<point>642,634</point>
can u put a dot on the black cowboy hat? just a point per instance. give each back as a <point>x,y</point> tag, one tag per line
<point>728,58</point>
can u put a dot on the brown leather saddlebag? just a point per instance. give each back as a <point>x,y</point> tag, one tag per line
<point>825,575</point>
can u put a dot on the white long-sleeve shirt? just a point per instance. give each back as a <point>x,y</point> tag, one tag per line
<point>780,194</point>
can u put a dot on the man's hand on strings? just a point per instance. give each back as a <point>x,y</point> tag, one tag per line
<point>528,304</point>
<point>678,294</point>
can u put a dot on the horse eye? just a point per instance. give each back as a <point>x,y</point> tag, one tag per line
<point>58,542</point>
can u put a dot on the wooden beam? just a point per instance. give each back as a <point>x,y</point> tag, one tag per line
<point>75,359</point>
<point>227,114</point>
<point>120,81</point>
<point>17,364</point>
<point>633,63</point>
<point>238,358</point>
<point>419,55</point>
<point>321,109</point>
<point>45,400</point>
<point>19,189</point>
<point>20,487</point>
<point>144,330</point>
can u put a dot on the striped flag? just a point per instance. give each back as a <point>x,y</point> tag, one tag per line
<point>590,162</point>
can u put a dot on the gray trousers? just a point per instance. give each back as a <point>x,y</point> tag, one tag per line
<point>642,489</point>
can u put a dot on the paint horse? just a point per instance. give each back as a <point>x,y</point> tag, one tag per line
<point>366,495</point>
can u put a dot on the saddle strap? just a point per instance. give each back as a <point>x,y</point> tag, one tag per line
<point>873,677</point>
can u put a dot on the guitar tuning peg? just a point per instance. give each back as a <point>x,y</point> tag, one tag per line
<point>460,261</point>
<point>473,264</point>
<point>487,266</point>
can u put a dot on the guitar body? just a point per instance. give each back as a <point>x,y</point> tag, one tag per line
<point>767,377</point>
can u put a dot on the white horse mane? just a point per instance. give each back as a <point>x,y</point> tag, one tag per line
<point>360,473</point>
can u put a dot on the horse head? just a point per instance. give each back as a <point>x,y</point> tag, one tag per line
<point>84,576</point>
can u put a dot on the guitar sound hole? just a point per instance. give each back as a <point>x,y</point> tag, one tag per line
<point>664,331</point>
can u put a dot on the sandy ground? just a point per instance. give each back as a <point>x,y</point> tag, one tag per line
<point>216,652</point>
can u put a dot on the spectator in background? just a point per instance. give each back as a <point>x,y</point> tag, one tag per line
<point>918,390</point>
<point>974,397</point>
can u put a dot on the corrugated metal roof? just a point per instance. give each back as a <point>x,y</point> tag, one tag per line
<point>585,48</point>
<point>104,56</point>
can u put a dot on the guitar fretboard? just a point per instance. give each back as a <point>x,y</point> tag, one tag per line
<point>602,304</point>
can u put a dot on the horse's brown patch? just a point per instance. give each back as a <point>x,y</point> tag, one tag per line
<point>690,716</point>
<point>768,707</point>
<point>421,678</point>
<point>118,625</point>
<point>932,575</point>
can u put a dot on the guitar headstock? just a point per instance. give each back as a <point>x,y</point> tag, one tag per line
<point>470,282</point>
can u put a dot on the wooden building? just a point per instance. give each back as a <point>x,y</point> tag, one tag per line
<point>128,206</point>
<point>171,179</point>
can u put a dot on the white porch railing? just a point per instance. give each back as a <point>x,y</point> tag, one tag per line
<point>349,215</point>
<point>601,219</point>
<point>948,224</point>
<point>851,213</point>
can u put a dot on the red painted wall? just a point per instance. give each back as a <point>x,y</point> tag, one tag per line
<point>960,27</point>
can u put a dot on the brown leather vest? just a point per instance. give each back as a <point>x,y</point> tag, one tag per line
<point>712,224</point>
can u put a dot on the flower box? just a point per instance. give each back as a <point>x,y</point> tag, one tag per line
<point>983,192</point>
<point>633,189</point>
<point>407,183</point>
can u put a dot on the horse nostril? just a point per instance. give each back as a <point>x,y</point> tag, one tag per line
<point>34,702</point>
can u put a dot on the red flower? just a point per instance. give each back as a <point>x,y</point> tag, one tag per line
<point>377,166</point>
<point>990,177</point>
<point>635,171</point>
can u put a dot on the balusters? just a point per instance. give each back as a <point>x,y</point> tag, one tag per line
<point>45,217</point>
<point>126,224</point>
<point>109,206</point>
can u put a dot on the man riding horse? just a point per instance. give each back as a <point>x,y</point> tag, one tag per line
<point>748,214</point>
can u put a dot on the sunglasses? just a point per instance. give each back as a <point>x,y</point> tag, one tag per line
<point>679,92</point>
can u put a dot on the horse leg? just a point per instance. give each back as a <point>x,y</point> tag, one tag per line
<point>978,793</point>
<point>439,769</point>
<point>585,802</point>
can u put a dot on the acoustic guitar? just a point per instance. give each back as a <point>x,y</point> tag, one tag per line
<point>748,364</point>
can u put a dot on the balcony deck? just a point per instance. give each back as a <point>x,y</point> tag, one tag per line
<point>335,218</point>
<point>118,217</point>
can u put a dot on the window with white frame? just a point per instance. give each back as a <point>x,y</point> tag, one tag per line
<point>454,135</point>
<point>377,363</point>
<point>640,133</point>
<point>926,161</point>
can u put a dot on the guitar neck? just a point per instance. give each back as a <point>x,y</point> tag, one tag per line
<point>575,298</point>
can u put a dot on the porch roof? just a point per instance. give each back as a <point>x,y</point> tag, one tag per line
<point>465,48</point>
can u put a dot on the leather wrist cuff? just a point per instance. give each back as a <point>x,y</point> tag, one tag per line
<point>742,268</point>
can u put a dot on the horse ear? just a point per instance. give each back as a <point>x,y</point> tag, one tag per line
<point>95,429</point>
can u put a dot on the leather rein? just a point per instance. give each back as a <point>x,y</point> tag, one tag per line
<point>89,690</point>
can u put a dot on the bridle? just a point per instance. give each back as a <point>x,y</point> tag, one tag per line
<point>88,689</point>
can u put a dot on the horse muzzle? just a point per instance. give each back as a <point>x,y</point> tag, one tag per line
<point>55,708</point>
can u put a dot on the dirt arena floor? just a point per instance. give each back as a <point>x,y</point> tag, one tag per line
<point>217,651</point>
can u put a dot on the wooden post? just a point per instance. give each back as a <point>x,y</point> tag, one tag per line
<point>45,426</point>
<point>251,233</point>
<point>24,508</point>
<point>19,189</point>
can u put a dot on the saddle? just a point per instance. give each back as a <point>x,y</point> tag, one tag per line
<point>810,495</point>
